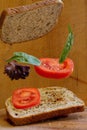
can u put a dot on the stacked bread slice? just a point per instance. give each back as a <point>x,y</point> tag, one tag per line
<point>29,22</point>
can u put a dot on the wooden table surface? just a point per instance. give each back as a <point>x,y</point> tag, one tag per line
<point>75,121</point>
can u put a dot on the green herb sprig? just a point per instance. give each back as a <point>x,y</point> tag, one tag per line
<point>24,58</point>
<point>68,45</point>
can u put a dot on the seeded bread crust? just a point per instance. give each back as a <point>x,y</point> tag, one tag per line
<point>20,9</point>
<point>55,102</point>
<point>30,21</point>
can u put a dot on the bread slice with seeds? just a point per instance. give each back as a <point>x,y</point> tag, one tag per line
<point>55,102</point>
<point>30,21</point>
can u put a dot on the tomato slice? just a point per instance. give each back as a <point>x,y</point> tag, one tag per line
<point>50,68</point>
<point>26,98</point>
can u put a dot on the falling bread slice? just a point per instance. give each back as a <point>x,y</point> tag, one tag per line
<point>30,21</point>
<point>55,102</point>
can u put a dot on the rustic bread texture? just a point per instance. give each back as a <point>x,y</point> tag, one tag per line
<point>55,101</point>
<point>29,22</point>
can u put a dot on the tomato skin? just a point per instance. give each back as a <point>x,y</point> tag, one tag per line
<point>50,68</point>
<point>24,98</point>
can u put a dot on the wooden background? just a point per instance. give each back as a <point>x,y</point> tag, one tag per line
<point>50,45</point>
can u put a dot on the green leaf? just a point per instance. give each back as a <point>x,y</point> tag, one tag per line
<point>68,45</point>
<point>25,58</point>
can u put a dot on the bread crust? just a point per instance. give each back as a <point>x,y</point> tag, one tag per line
<point>43,116</point>
<point>2,17</point>
<point>20,9</point>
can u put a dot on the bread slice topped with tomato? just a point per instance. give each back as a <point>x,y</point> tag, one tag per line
<point>29,105</point>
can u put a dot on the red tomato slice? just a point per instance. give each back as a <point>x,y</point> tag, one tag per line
<point>51,68</point>
<point>26,98</point>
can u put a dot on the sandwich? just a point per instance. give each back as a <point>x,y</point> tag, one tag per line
<point>54,101</point>
<point>29,22</point>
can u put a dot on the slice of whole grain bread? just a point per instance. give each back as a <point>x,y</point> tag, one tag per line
<point>55,101</point>
<point>30,21</point>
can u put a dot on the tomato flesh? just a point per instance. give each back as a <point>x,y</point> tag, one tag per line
<point>26,98</point>
<point>50,68</point>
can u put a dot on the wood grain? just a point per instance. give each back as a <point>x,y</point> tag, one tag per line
<point>75,121</point>
<point>50,45</point>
